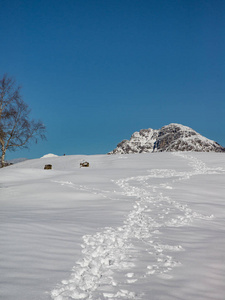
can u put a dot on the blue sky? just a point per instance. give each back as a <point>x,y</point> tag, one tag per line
<point>95,71</point>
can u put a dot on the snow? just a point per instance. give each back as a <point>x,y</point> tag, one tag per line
<point>137,226</point>
<point>182,127</point>
<point>49,155</point>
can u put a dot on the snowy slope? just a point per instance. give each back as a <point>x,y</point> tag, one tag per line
<point>146,226</point>
<point>170,138</point>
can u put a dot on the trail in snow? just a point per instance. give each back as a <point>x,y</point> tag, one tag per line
<point>115,250</point>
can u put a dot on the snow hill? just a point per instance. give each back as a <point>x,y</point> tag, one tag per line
<point>49,155</point>
<point>170,138</point>
<point>143,226</point>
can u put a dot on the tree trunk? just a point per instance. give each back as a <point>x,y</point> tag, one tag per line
<point>2,159</point>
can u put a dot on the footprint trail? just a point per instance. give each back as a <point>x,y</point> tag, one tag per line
<point>106,269</point>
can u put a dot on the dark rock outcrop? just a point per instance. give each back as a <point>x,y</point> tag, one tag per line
<point>170,138</point>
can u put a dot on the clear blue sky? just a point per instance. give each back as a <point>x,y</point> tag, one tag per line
<point>95,71</point>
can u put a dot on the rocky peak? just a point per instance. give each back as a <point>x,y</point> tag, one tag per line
<point>172,137</point>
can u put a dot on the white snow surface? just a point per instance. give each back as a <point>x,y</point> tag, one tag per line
<point>138,226</point>
<point>49,155</point>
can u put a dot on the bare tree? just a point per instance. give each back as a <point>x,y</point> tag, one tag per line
<point>16,128</point>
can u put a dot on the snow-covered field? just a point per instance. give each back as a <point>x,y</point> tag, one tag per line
<point>145,226</point>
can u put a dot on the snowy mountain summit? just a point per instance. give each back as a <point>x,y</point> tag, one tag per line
<point>170,138</point>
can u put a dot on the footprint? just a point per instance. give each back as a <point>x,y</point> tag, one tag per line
<point>130,275</point>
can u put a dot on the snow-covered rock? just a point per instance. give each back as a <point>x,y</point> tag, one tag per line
<point>170,138</point>
<point>49,155</point>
